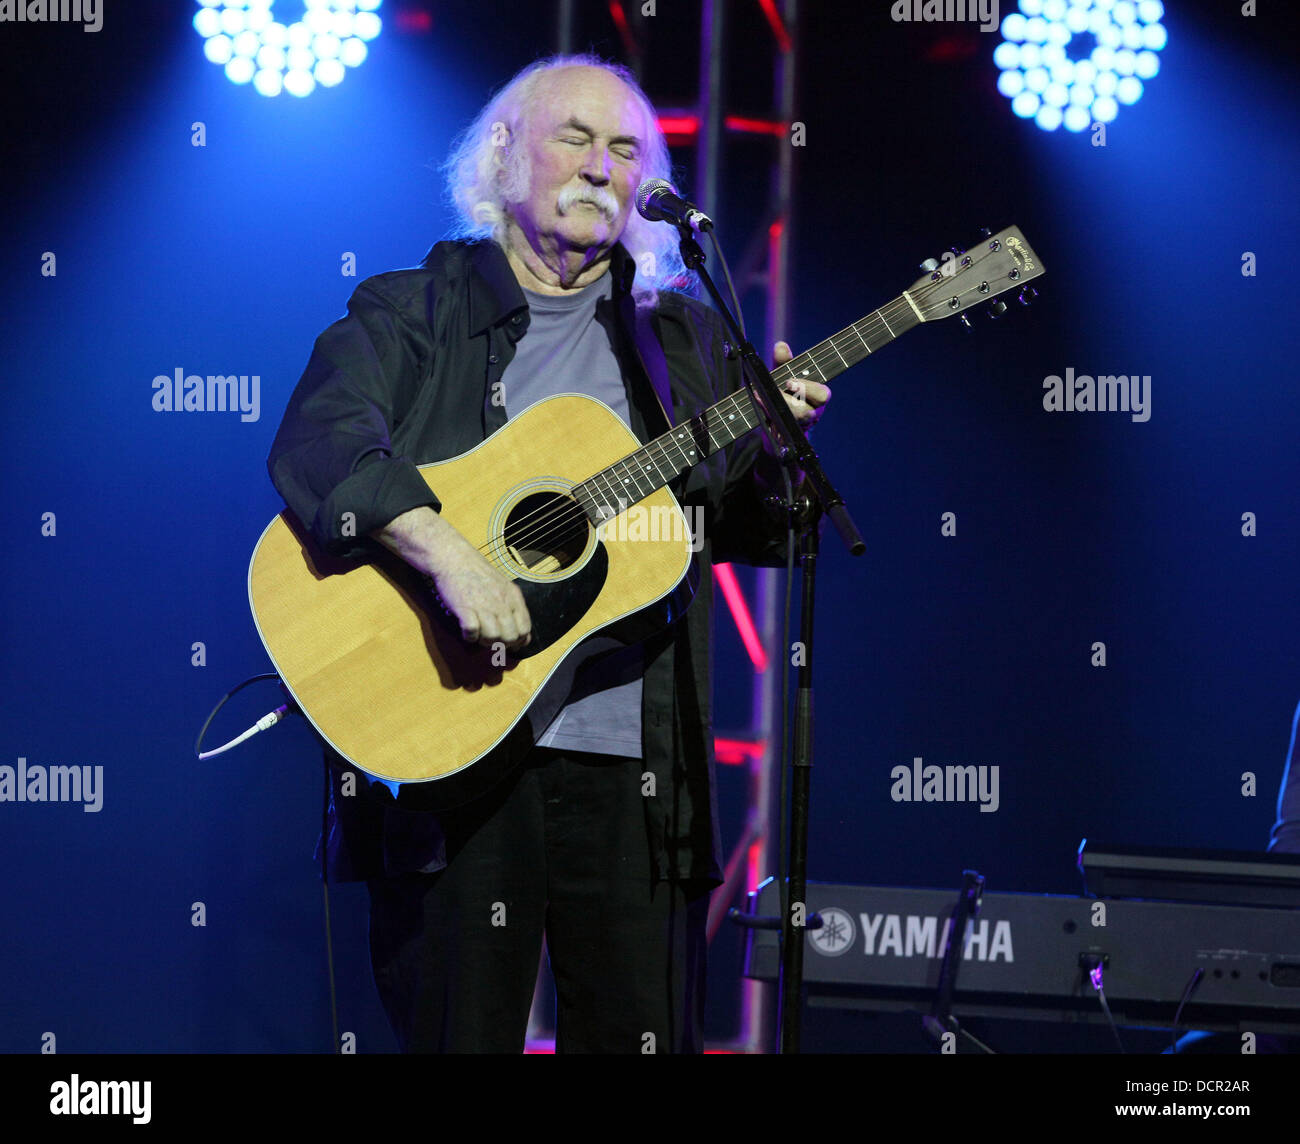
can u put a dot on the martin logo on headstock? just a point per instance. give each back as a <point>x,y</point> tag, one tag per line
<point>1022,252</point>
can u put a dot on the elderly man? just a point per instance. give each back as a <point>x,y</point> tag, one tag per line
<point>604,840</point>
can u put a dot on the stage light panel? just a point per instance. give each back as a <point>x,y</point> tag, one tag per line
<point>245,38</point>
<point>1074,62</point>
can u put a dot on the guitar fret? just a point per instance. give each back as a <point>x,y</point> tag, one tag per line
<point>633,475</point>
<point>874,334</point>
<point>618,501</point>
<point>601,495</point>
<point>804,371</point>
<point>620,483</point>
<point>606,502</point>
<point>678,437</point>
<point>629,478</point>
<point>662,459</point>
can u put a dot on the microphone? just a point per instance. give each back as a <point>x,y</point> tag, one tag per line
<point>656,201</point>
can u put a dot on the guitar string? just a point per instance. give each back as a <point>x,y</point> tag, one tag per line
<point>571,514</point>
<point>568,513</point>
<point>544,524</point>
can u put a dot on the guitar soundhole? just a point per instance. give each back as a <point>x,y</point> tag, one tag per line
<point>546,532</point>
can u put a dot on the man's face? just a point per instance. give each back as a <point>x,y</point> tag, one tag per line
<point>584,134</point>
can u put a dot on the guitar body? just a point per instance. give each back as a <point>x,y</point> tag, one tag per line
<point>381,670</point>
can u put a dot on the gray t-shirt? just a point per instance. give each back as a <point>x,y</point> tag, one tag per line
<point>567,351</point>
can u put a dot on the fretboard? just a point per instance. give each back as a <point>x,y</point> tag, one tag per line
<point>637,475</point>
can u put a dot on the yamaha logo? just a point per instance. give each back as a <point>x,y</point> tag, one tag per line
<point>836,935</point>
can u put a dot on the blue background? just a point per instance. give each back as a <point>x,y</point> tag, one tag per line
<point>975,649</point>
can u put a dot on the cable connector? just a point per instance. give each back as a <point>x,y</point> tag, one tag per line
<point>267,721</point>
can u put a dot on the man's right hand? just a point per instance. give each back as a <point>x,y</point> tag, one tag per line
<point>488,606</point>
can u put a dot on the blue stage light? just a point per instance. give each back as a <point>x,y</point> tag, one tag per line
<point>1077,118</point>
<point>218,49</point>
<point>328,73</point>
<point>1011,83</point>
<point>1007,55</point>
<point>1013,27</point>
<point>1074,62</point>
<point>240,69</point>
<point>207,22</point>
<point>1048,117</point>
<point>253,46</point>
<point>1025,104</point>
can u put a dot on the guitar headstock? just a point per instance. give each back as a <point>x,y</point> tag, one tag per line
<point>997,263</point>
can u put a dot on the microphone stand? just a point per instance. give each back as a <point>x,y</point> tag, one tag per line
<point>940,1021</point>
<point>805,511</point>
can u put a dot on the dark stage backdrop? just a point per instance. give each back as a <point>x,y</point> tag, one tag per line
<point>159,219</point>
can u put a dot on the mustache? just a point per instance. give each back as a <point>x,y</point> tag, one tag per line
<point>599,197</point>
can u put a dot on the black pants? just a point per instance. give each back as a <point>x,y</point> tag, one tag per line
<point>560,848</point>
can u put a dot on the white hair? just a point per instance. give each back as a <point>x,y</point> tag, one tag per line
<point>484,175</point>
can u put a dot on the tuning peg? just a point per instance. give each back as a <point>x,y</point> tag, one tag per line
<point>997,308</point>
<point>965,321</point>
<point>1027,295</point>
<point>985,232</point>
<point>930,265</point>
<point>957,250</point>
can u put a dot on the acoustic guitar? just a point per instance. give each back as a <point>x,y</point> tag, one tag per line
<point>565,501</point>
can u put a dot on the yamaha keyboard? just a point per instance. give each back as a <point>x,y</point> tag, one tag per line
<point>1229,967</point>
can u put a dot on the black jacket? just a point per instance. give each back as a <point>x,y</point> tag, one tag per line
<point>407,378</point>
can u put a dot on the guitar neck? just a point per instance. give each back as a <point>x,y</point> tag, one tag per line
<point>832,357</point>
<point>652,466</point>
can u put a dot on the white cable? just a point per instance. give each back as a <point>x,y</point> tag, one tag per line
<point>265,723</point>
